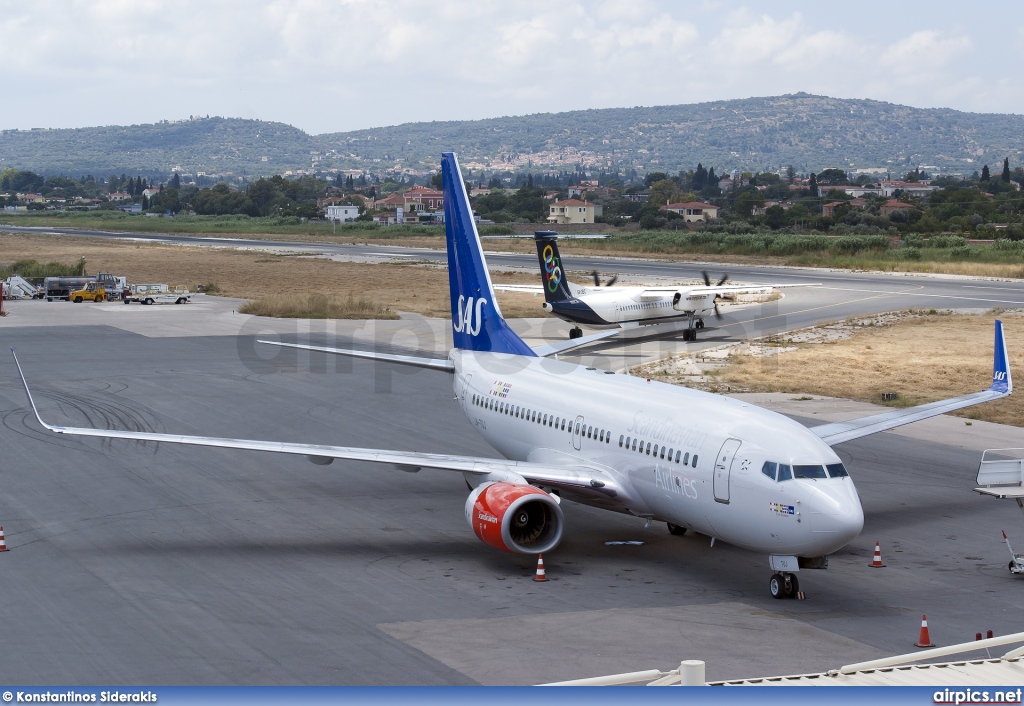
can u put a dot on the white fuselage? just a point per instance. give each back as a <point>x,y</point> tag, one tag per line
<point>624,305</point>
<point>562,414</point>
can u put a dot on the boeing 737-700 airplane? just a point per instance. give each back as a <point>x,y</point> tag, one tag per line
<point>697,461</point>
<point>627,307</point>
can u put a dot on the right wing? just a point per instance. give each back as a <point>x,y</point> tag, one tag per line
<point>1002,386</point>
<point>579,478</point>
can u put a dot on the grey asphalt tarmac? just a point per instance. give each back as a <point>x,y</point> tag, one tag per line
<point>135,563</point>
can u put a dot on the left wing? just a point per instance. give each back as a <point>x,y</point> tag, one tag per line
<point>579,478</point>
<point>1002,385</point>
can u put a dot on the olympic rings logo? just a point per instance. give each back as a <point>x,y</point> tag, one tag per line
<point>552,269</point>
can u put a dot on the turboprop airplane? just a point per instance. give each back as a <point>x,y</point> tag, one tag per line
<point>695,460</point>
<point>626,307</point>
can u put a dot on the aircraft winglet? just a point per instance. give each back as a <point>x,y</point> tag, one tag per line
<point>1002,381</point>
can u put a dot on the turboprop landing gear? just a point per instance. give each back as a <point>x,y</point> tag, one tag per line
<point>690,334</point>
<point>784,585</point>
<point>576,332</point>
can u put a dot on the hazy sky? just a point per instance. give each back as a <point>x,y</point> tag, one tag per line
<point>333,65</point>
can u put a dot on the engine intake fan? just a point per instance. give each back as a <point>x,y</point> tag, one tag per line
<point>516,518</point>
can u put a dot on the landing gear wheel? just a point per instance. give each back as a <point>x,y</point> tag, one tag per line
<point>1010,567</point>
<point>700,323</point>
<point>575,333</point>
<point>790,585</point>
<point>676,529</point>
<point>776,586</point>
<point>690,334</point>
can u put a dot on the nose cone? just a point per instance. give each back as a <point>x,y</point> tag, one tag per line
<point>835,514</point>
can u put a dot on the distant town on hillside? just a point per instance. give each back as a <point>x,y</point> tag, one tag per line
<point>811,133</point>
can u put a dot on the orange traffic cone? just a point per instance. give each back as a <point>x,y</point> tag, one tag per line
<point>925,639</point>
<point>541,576</point>
<point>3,542</point>
<point>876,563</point>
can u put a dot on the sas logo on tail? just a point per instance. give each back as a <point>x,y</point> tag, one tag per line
<point>470,317</point>
<point>552,269</point>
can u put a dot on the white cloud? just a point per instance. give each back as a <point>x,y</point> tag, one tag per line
<point>327,65</point>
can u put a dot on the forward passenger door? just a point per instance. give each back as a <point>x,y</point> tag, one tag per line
<point>723,469</point>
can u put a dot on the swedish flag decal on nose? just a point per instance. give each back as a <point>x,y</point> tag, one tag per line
<point>477,323</point>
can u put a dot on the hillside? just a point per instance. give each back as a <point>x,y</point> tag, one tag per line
<point>809,132</point>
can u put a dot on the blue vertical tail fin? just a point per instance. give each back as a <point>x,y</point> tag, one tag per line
<point>477,324</point>
<point>1001,379</point>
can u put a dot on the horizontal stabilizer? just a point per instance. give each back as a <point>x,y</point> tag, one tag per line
<point>432,363</point>
<point>573,343</point>
<point>1002,385</point>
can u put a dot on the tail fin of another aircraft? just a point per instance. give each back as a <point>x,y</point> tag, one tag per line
<point>552,274</point>
<point>1001,379</point>
<point>477,324</point>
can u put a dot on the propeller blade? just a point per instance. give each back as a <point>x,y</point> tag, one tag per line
<point>718,314</point>
<point>613,280</point>
<point>707,280</point>
<point>597,280</point>
<point>722,281</point>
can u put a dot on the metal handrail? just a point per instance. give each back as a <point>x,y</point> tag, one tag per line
<point>937,652</point>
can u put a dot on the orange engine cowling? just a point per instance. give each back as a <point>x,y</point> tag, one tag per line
<point>516,518</point>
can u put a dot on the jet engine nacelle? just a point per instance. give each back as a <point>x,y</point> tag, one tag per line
<point>514,517</point>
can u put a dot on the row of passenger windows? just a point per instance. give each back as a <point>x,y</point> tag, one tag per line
<point>548,420</point>
<point>649,305</point>
<point>781,471</point>
<point>662,452</point>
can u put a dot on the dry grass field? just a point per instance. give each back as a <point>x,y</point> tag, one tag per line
<point>249,275</point>
<point>922,358</point>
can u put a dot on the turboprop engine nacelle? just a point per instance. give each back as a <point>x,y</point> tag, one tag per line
<point>516,518</point>
<point>692,301</point>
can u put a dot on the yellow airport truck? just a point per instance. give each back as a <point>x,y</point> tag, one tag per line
<point>93,292</point>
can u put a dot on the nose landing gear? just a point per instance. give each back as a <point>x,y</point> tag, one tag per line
<point>575,332</point>
<point>783,585</point>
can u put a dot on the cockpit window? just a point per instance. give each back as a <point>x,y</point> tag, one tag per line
<point>807,471</point>
<point>785,472</point>
<point>836,470</point>
<point>769,469</point>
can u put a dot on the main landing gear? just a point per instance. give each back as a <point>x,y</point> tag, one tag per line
<point>690,334</point>
<point>783,585</point>
<point>575,332</point>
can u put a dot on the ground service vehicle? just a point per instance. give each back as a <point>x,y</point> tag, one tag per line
<point>61,287</point>
<point>17,287</point>
<point>156,294</point>
<point>94,291</point>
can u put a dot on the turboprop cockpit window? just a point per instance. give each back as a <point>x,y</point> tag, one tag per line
<point>769,469</point>
<point>808,471</point>
<point>836,470</point>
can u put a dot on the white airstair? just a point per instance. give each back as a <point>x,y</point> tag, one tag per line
<point>17,287</point>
